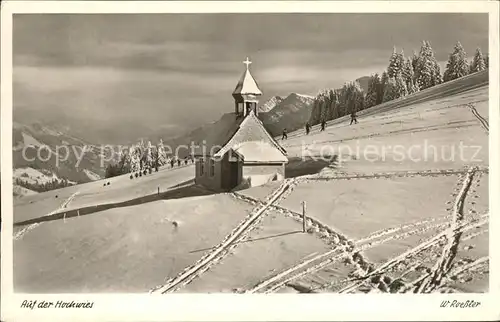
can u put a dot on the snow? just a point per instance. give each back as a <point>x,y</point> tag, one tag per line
<point>34,175</point>
<point>280,243</point>
<point>352,207</point>
<point>92,175</point>
<point>305,96</point>
<point>94,193</point>
<point>21,191</point>
<point>134,248</point>
<point>260,179</point>
<point>259,151</point>
<point>28,140</point>
<point>250,129</point>
<point>262,191</point>
<point>138,246</point>
<point>247,85</point>
<point>270,104</point>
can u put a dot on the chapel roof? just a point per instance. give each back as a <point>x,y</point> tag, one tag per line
<point>247,84</point>
<point>231,132</point>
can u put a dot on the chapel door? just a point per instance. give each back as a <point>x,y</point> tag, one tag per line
<point>234,174</point>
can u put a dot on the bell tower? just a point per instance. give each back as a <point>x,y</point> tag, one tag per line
<point>246,94</point>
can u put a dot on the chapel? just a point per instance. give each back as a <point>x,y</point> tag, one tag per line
<point>239,152</point>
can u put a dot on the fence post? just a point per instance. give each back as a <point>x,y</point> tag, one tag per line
<point>303,216</point>
<point>158,190</point>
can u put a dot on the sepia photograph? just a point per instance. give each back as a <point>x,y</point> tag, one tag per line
<point>250,153</point>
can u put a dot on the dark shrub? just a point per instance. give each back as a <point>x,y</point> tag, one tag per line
<point>150,170</point>
<point>109,183</point>
<point>156,169</point>
<point>131,176</point>
<point>136,174</point>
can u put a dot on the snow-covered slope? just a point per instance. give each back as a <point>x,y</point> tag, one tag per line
<point>92,175</point>
<point>368,211</point>
<point>19,191</point>
<point>32,176</point>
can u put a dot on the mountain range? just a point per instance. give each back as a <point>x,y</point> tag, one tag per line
<point>43,155</point>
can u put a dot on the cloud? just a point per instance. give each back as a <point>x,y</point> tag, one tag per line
<point>180,69</point>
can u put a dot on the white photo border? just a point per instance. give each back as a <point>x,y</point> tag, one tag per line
<point>231,307</point>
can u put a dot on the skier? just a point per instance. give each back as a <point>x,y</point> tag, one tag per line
<point>353,118</point>
<point>172,162</point>
<point>285,136</point>
<point>308,128</point>
<point>323,125</point>
<point>185,161</point>
<point>178,162</point>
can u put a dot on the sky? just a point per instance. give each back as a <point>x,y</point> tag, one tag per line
<point>115,77</point>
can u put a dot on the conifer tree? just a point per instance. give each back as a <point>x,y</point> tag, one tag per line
<point>332,100</point>
<point>391,69</point>
<point>381,90</point>
<point>427,72</point>
<point>400,87</point>
<point>324,105</point>
<point>353,97</point>
<point>135,160</point>
<point>319,111</point>
<point>162,154</point>
<point>457,65</point>
<point>401,61</point>
<point>478,63</point>
<point>414,60</point>
<point>438,78</point>
<point>124,164</point>
<point>389,90</point>
<point>141,152</point>
<point>371,95</point>
<point>149,155</point>
<point>395,63</point>
<point>408,77</point>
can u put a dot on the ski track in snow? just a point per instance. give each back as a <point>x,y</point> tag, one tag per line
<point>437,127</point>
<point>219,252</point>
<point>346,248</point>
<point>330,235</point>
<point>64,205</point>
<point>481,119</point>
<point>443,266</point>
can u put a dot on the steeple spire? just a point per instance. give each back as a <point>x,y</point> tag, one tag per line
<point>246,92</point>
<point>247,62</point>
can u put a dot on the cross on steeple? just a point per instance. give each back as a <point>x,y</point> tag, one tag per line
<point>247,62</point>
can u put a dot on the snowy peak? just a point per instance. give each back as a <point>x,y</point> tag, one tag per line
<point>305,99</point>
<point>291,113</point>
<point>290,100</point>
<point>270,104</point>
